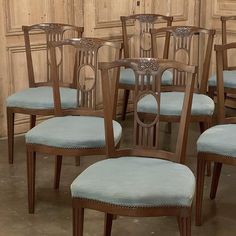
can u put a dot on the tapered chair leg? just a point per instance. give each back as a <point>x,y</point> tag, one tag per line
<point>31,163</point>
<point>32,121</point>
<point>185,226</point>
<point>201,164</point>
<point>203,127</point>
<point>57,175</point>
<point>125,103</point>
<point>208,171</point>
<point>108,224</point>
<point>10,134</point>
<point>215,179</point>
<point>211,91</point>
<point>78,221</point>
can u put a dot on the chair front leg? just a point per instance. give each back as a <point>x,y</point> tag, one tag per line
<point>215,179</point>
<point>57,174</point>
<point>185,226</point>
<point>10,134</point>
<point>31,164</point>
<point>78,221</point>
<point>201,165</point>
<point>108,224</point>
<point>32,121</point>
<point>125,103</point>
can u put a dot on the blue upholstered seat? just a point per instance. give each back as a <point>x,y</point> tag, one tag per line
<point>136,182</point>
<point>172,102</point>
<point>42,98</point>
<point>127,77</point>
<point>220,139</point>
<point>229,78</point>
<point>72,132</point>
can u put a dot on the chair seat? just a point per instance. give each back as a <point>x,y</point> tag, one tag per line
<point>136,182</point>
<point>42,98</point>
<point>229,78</point>
<point>172,102</point>
<point>72,132</point>
<point>127,77</point>
<point>220,139</point>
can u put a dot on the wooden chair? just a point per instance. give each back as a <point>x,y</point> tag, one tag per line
<point>72,132</point>
<point>229,72</point>
<point>182,42</point>
<point>138,44</point>
<point>129,183</point>
<point>38,99</point>
<point>216,144</point>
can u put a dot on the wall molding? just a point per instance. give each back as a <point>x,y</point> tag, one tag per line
<point>48,15</point>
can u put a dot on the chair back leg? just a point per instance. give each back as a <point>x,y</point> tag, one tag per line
<point>215,179</point>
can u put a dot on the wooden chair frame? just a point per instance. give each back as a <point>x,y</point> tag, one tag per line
<point>147,22</point>
<point>141,67</point>
<point>86,54</point>
<point>182,36</point>
<point>53,32</point>
<point>216,158</point>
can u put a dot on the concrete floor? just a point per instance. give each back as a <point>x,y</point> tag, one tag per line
<point>53,208</point>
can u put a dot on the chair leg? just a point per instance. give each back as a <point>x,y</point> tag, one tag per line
<point>31,164</point>
<point>185,226</point>
<point>203,127</point>
<point>169,127</point>
<point>215,179</point>
<point>108,224</point>
<point>208,172</point>
<point>77,161</point>
<point>78,221</point>
<point>32,121</point>
<point>10,134</point>
<point>211,92</point>
<point>125,103</point>
<point>201,165</point>
<point>57,175</point>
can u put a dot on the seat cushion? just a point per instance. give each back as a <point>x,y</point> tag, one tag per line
<point>229,79</point>
<point>172,102</point>
<point>72,132</point>
<point>42,98</point>
<point>220,139</point>
<point>127,77</point>
<point>136,182</point>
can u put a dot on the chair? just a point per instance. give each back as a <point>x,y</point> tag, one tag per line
<point>38,99</point>
<point>129,183</point>
<point>72,132</point>
<point>138,44</point>
<point>229,72</point>
<point>216,144</point>
<point>172,98</point>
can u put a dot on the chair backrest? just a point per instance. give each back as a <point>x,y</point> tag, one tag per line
<point>146,135</point>
<point>52,32</point>
<point>141,33</point>
<point>224,20</point>
<point>184,42</point>
<point>220,52</point>
<point>85,52</point>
